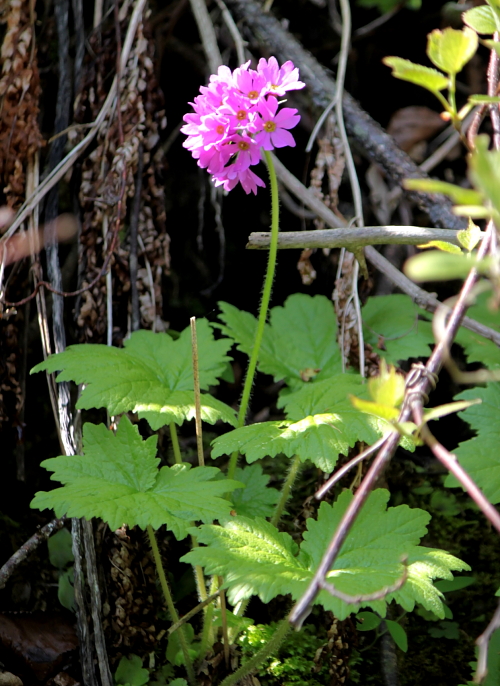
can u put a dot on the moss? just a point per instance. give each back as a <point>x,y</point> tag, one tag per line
<point>294,664</point>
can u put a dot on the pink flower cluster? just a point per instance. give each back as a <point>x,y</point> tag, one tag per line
<point>236,116</point>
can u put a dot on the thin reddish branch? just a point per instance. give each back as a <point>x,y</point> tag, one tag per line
<point>368,597</point>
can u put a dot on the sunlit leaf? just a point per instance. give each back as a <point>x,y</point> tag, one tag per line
<point>462,196</point>
<point>432,79</point>
<point>440,266</point>
<point>119,481</point>
<point>151,375</point>
<point>481,19</point>
<point>255,559</point>
<point>450,50</point>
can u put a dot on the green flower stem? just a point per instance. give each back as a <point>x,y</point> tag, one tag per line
<point>175,443</point>
<point>285,491</point>
<point>170,603</point>
<point>266,651</point>
<point>264,305</point>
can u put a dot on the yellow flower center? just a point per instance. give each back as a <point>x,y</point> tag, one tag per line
<point>269,126</point>
<point>219,129</point>
<point>253,95</point>
<point>241,114</point>
<point>243,145</point>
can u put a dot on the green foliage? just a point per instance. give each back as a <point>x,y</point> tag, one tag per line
<point>293,665</point>
<point>118,480</point>
<point>60,547</point>
<point>470,236</point>
<point>479,456</point>
<point>436,265</point>
<point>174,653</point>
<point>151,375</point>
<point>367,621</point>
<point>429,78</point>
<point>398,634</point>
<point>299,343</point>
<point>450,50</point>
<point>482,19</point>
<point>395,327</point>
<point>255,559</point>
<point>66,589</point>
<point>321,424</point>
<point>256,499</point>
<point>130,672</point>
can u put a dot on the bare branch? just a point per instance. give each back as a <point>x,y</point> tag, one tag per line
<point>29,547</point>
<point>353,238</point>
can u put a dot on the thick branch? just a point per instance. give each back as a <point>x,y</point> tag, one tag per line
<point>353,238</point>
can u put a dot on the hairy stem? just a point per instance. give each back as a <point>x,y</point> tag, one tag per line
<point>264,304</point>
<point>207,634</point>
<point>175,443</point>
<point>170,603</point>
<point>285,491</point>
<point>271,647</point>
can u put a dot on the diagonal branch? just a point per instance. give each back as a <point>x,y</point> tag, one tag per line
<point>368,597</point>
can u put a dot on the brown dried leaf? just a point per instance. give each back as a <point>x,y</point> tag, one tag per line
<point>411,125</point>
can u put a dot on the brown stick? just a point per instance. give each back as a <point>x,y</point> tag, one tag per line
<point>27,548</point>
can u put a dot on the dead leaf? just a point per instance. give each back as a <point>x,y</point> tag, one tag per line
<point>411,125</point>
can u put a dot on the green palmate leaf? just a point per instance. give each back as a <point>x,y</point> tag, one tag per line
<point>481,19</point>
<point>476,347</point>
<point>480,456</point>
<point>432,79</point>
<point>484,171</point>
<point>152,375</point>
<point>118,480</point>
<point>321,424</point>
<point>462,196</point>
<point>298,345</point>
<point>450,50</point>
<point>255,559</point>
<point>256,499</point>
<point>436,265</point>
<point>391,324</point>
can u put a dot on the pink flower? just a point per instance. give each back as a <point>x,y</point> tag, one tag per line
<point>280,80</point>
<point>229,178</point>
<point>236,116</point>
<point>273,125</point>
